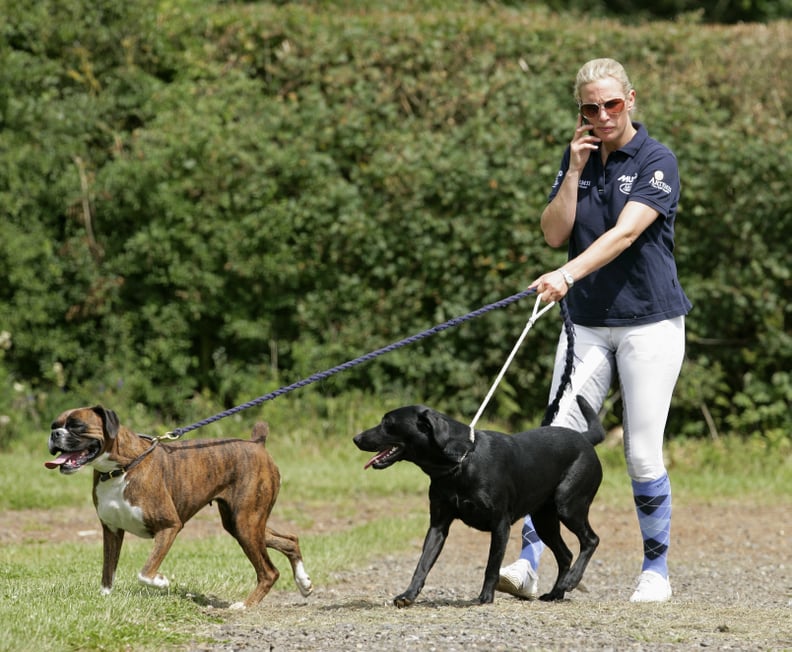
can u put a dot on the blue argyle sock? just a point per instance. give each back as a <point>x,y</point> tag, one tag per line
<point>532,545</point>
<point>653,505</point>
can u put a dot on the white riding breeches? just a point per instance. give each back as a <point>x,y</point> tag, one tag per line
<point>647,360</point>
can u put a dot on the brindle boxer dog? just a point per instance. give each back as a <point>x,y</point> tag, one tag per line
<point>152,489</point>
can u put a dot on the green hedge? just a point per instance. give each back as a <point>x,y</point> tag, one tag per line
<point>711,11</point>
<point>224,198</point>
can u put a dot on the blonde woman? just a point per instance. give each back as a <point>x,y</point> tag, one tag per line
<point>614,204</point>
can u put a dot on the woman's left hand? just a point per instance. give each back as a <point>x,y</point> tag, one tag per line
<point>550,286</point>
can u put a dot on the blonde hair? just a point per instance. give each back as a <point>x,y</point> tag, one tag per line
<point>599,69</point>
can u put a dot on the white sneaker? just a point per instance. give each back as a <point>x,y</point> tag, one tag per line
<point>652,587</point>
<point>519,580</point>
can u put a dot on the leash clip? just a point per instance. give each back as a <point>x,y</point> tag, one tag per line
<point>536,314</point>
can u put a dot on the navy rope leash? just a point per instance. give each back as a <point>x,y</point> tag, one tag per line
<point>178,432</point>
<point>569,365</point>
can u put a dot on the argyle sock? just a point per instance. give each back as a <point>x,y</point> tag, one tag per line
<point>653,505</point>
<point>532,545</point>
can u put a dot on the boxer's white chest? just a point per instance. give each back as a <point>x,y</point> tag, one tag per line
<point>115,511</point>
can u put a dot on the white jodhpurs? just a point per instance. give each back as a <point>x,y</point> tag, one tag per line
<point>647,360</point>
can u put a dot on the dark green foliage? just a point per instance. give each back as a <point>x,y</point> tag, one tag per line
<point>203,198</point>
<point>712,11</point>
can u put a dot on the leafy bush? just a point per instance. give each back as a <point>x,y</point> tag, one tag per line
<point>203,199</point>
<point>712,11</point>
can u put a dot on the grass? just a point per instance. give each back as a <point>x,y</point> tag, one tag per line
<point>50,590</point>
<point>51,602</point>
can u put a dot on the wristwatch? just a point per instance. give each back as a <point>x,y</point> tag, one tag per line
<point>567,277</point>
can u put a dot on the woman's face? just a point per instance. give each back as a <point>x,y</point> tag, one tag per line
<point>614,129</point>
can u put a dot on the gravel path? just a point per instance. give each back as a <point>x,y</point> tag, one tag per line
<point>731,577</point>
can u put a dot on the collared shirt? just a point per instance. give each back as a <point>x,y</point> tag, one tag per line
<point>641,285</point>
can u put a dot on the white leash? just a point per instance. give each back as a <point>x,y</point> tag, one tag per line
<point>536,314</point>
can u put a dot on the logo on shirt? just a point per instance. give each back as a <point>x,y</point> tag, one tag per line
<point>657,182</point>
<point>626,182</point>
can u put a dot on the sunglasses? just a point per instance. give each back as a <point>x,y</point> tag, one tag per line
<point>591,110</point>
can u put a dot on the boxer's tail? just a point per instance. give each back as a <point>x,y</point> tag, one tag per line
<point>260,432</point>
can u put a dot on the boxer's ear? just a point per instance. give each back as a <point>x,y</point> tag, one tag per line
<point>109,419</point>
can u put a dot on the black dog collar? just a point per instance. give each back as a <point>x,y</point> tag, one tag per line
<point>111,474</point>
<point>116,472</point>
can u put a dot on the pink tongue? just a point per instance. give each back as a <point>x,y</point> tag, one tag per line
<point>379,455</point>
<point>54,464</point>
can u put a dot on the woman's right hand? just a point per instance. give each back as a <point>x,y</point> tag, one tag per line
<point>583,143</point>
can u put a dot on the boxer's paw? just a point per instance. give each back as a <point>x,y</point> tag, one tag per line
<point>158,581</point>
<point>237,606</point>
<point>107,590</point>
<point>302,580</point>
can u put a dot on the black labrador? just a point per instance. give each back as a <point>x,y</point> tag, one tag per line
<point>489,480</point>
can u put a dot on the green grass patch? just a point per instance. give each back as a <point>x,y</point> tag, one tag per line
<point>51,601</point>
<point>26,484</point>
<point>730,468</point>
<point>51,598</point>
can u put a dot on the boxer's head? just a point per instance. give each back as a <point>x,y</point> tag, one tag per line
<point>80,435</point>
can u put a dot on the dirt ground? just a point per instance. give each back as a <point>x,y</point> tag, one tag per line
<point>731,573</point>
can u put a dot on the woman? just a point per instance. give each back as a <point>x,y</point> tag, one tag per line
<point>614,202</point>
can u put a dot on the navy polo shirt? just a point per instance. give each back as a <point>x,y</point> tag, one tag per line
<point>641,285</point>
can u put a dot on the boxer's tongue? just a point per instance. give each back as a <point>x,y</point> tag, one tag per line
<point>60,460</point>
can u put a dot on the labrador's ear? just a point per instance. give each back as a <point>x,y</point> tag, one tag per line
<point>110,422</point>
<point>452,437</point>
